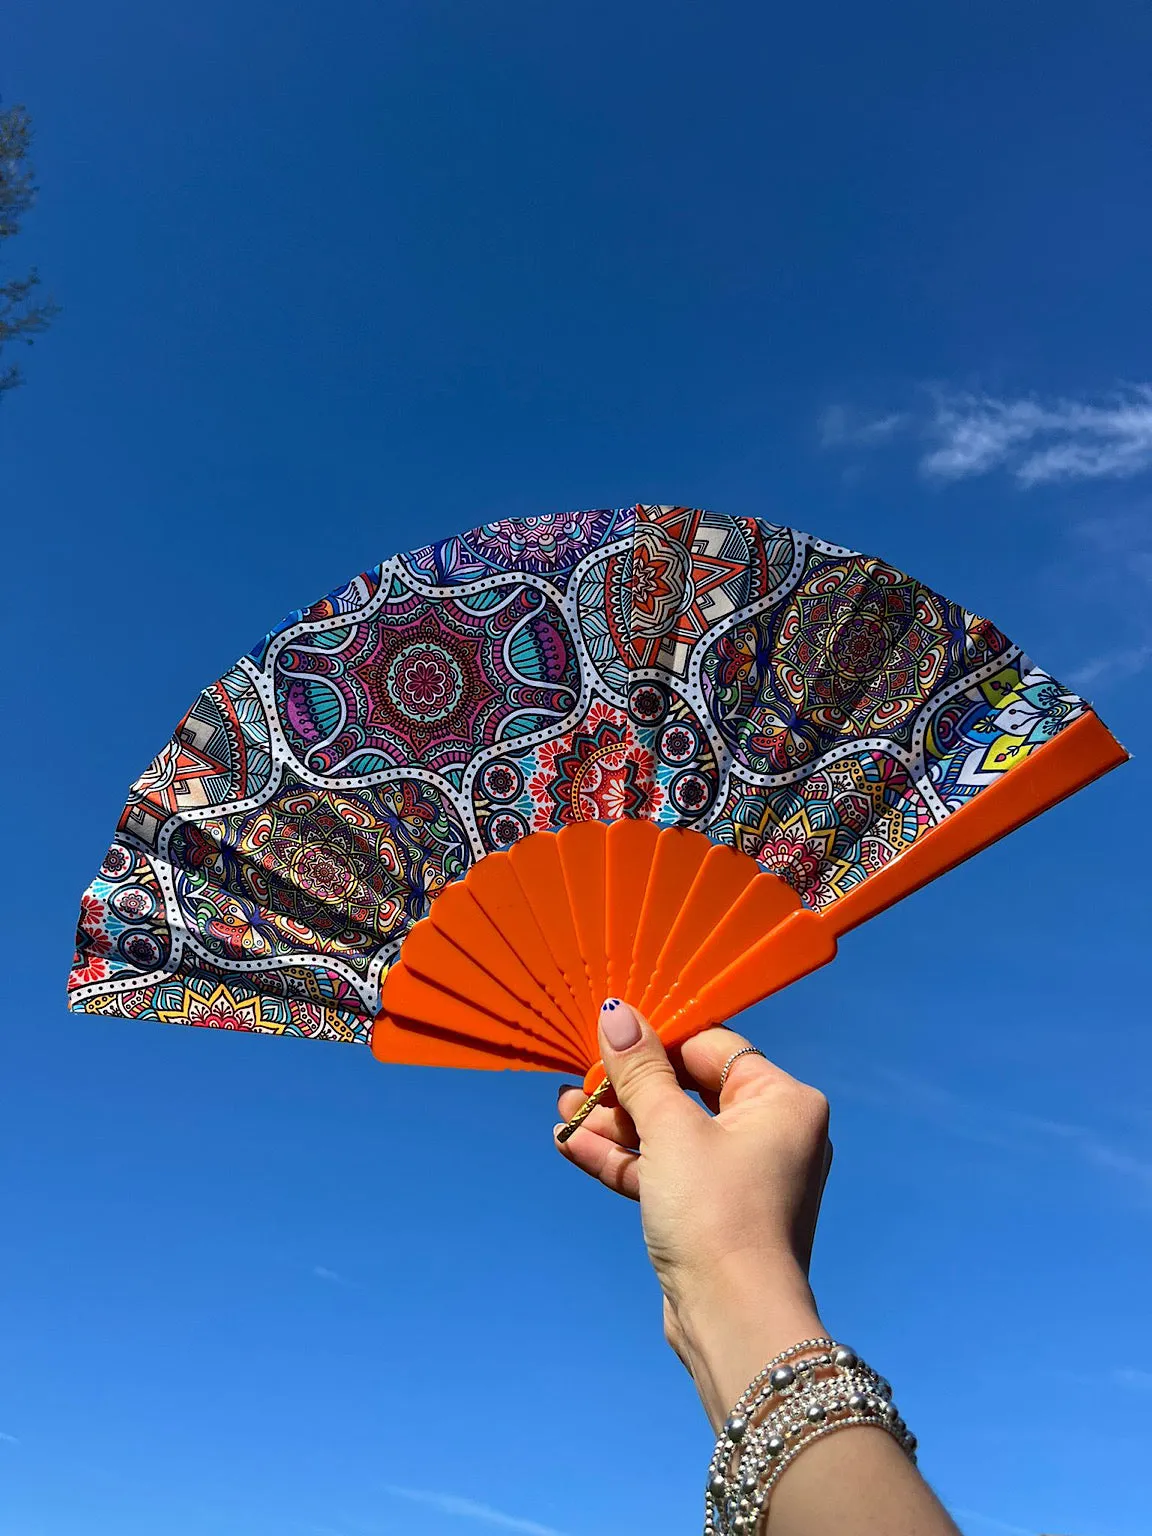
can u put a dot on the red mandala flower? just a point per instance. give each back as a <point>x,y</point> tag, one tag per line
<point>92,943</point>
<point>796,860</point>
<point>597,773</point>
<point>646,704</point>
<point>217,1018</point>
<point>92,923</point>
<point>650,579</point>
<point>86,968</point>
<point>501,781</point>
<point>425,682</point>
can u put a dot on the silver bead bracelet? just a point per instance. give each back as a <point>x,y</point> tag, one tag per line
<point>806,1392</point>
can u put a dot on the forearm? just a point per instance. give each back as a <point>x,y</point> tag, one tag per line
<point>856,1481</point>
<point>726,1325</point>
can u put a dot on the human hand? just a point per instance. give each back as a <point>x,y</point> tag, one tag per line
<point>729,1202</point>
<point>729,1198</point>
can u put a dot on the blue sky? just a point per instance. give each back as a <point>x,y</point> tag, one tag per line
<point>340,279</point>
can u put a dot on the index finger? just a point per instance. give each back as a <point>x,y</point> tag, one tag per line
<point>704,1057</point>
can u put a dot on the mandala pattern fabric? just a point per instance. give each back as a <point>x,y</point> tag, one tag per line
<point>808,705</point>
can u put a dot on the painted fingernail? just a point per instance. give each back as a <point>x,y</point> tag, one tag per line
<point>620,1025</point>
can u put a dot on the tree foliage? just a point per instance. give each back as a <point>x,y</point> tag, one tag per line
<point>22,318</point>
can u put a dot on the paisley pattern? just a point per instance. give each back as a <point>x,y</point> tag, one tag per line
<point>811,706</point>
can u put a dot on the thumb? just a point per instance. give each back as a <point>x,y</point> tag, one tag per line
<point>637,1065</point>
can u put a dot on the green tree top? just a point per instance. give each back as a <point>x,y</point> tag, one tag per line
<point>21,319</point>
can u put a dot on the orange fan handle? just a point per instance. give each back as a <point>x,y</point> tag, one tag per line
<point>1082,752</point>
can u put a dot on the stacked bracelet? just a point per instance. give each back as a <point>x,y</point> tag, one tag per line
<point>804,1393</point>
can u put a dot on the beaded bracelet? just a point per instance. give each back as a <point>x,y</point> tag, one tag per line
<point>821,1396</point>
<point>808,1391</point>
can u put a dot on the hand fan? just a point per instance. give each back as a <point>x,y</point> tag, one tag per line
<point>654,753</point>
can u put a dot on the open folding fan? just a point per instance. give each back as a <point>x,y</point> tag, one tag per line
<point>651,753</point>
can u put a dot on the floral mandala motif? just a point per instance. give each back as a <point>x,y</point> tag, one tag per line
<point>222,740</point>
<point>647,704</point>
<point>413,686</point>
<point>808,705</point>
<point>829,831</point>
<point>322,871</point>
<point>600,772</point>
<point>545,546</point>
<point>976,736</point>
<point>855,651</point>
<point>425,683</point>
<point>221,1010</point>
<point>540,544</point>
<point>798,860</point>
<point>685,572</point>
<point>92,942</point>
<point>661,584</point>
<point>122,926</point>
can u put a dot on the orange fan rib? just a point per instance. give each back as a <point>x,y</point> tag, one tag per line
<point>513,962</point>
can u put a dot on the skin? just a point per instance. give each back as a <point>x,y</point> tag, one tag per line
<point>729,1197</point>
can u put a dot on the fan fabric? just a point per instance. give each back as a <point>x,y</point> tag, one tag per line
<point>808,705</point>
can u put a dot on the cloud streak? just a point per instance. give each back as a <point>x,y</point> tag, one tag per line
<point>1041,443</point>
<point>1010,1130</point>
<point>843,428</point>
<point>469,1509</point>
<point>332,1277</point>
<point>1112,666</point>
<point>1036,441</point>
<point>962,436</point>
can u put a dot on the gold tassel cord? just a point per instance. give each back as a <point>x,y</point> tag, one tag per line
<point>583,1112</point>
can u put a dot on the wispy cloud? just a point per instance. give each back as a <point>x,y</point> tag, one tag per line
<point>8,1439</point>
<point>1041,442</point>
<point>958,436</point>
<point>1036,441</point>
<point>322,1272</point>
<point>469,1509</point>
<point>1007,1129</point>
<point>841,427</point>
<point>1112,666</point>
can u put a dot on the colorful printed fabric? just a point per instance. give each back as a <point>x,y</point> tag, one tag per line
<point>811,706</point>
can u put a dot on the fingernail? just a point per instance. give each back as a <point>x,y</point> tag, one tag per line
<point>620,1025</point>
<point>557,1128</point>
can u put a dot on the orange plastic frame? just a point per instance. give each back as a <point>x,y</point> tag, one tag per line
<point>660,895</point>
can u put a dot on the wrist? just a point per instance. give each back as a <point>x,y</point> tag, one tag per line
<point>729,1324</point>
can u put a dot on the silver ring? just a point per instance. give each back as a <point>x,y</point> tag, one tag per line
<point>745,1050</point>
